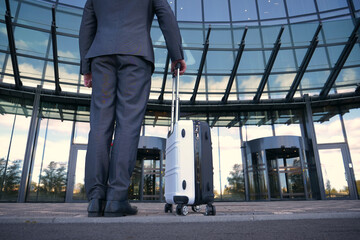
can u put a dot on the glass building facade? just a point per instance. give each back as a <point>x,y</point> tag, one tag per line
<point>257,69</point>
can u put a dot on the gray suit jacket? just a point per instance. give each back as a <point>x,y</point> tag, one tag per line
<point>123,27</point>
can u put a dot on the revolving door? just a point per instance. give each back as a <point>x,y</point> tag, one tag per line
<point>277,169</point>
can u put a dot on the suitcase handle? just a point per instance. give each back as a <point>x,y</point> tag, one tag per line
<point>175,102</point>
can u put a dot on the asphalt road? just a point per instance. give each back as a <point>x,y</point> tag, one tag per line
<point>274,229</point>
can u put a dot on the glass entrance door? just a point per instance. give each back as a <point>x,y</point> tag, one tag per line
<point>336,171</point>
<point>145,181</point>
<point>75,191</point>
<point>286,179</point>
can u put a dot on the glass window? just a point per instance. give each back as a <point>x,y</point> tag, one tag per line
<point>68,19</point>
<point>325,5</point>
<point>356,4</point>
<point>189,10</point>
<point>251,62</point>
<point>49,173</point>
<point>348,76</point>
<point>68,49</point>
<point>77,3</point>
<point>243,10</point>
<point>219,61</point>
<point>193,34</point>
<point>4,43</point>
<point>14,128</point>
<point>329,131</point>
<point>333,14</point>
<point>303,33</point>
<point>278,82</point>
<point>271,9</point>
<point>32,68</point>
<point>36,14</point>
<point>303,19</point>
<point>296,7</point>
<point>216,10</point>
<point>220,37</point>
<point>31,42</point>
<point>284,62</point>
<point>313,80</point>
<point>253,132</point>
<point>337,31</point>
<point>69,77</point>
<point>232,177</point>
<point>352,126</point>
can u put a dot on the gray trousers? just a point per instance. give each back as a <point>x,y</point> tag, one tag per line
<point>120,91</point>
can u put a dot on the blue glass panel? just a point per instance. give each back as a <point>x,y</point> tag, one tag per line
<point>189,10</point>
<point>156,34</point>
<point>68,49</point>
<point>284,61</point>
<point>172,4</point>
<point>30,68</point>
<point>319,59</point>
<point>348,76</point>
<point>243,10</point>
<point>313,80</point>
<point>68,19</point>
<point>356,4</point>
<point>303,19</point>
<point>69,74</point>
<point>251,62</point>
<point>270,35</point>
<point>271,9</point>
<point>31,42</point>
<point>37,14</point>
<point>303,33</point>
<point>337,31</point>
<point>160,58</point>
<point>77,3</point>
<point>192,35</point>
<point>296,7</point>
<point>253,39</point>
<point>4,43</point>
<point>219,61</point>
<point>238,33</point>
<point>193,58</point>
<point>249,83</point>
<point>334,54</point>
<point>354,57</point>
<point>216,10</point>
<point>273,22</point>
<point>335,13</point>
<point>220,37</point>
<point>217,86</point>
<point>277,82</point>
<point>331,4</point>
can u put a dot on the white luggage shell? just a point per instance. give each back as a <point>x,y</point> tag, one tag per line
<point>180,169</point>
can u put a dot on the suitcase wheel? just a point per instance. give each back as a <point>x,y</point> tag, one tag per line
<point>182,210</point>
<point>168,208</point>
<point>196,208</point>
<point>210,210</point>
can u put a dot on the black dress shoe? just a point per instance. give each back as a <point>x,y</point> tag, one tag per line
<point>96,208</point>
<point>119,209</point>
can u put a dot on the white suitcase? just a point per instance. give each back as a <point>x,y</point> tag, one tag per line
<point>188,170</point>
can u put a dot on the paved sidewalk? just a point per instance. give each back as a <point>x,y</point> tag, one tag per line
<point>154,212</point>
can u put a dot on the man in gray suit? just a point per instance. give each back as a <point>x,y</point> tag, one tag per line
<point>117,61</point>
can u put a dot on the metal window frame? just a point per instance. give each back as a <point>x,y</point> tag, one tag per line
<point>201,67</point>
<point>304,65</point>
<point>340,62</point>
<point>235,67</point>
<point>269,66</point>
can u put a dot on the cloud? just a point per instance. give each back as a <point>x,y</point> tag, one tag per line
<point>67,54</point>
<point>21,44</point>
<point>3,30</point>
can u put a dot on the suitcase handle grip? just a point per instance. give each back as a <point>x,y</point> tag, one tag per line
<point>175,99</point>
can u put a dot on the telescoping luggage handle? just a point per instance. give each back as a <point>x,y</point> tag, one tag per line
<point>175,101</point>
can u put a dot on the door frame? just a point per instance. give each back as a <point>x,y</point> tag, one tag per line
<point>349,171</point>
<point>72,171</point>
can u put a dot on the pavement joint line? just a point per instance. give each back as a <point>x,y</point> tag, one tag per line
<point>177,219</point>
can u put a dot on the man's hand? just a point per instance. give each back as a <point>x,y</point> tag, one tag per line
<point>88,80</point>
<point>182,67</point>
